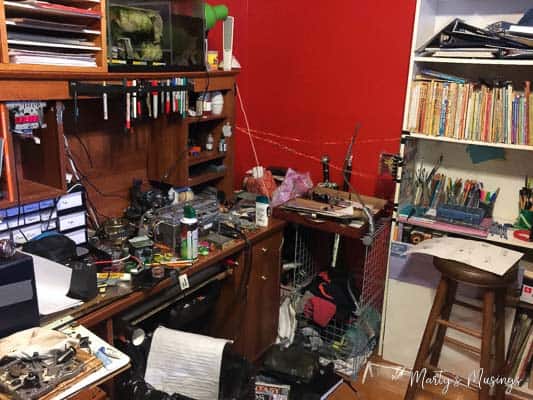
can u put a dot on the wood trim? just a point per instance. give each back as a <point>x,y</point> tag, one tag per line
<point>4,52</point>
<point>9,160</point>
<point>48,73</point>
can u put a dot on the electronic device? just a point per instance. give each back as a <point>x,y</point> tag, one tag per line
<point>18,296</point>
<point>227,27</point>
<point>156,35</point>
<point>33,377</point>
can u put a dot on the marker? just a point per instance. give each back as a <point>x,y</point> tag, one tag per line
<point>134,107</point>
<point>167,97</point>
<point>154,100</point>
<point>104,102</point>
<point>128,107</point>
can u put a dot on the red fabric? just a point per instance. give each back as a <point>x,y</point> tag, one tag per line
<point>320,310</point>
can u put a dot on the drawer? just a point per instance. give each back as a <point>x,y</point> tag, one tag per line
<point>30,208</point>
<point>13,212</point>
<point>20,236</point>
<point>79,236</point>
<point>47,214</point>
<point>32,231</point>
<point>49,225</point>
<point>71,221</point>
<point>15,222</point>
<point>46,204</point>
<point>32,218</point>
<point>69,201</point>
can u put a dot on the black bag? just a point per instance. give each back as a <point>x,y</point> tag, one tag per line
<point>293,364</point>
<point>58,248</point>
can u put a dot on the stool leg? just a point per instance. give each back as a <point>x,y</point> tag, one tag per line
<point>500,342</point>
<point>441,330</point>
<point>423,350</point>
<point>486,340</point>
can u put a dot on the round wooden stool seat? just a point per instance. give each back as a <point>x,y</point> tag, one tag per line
<point>465,273</point>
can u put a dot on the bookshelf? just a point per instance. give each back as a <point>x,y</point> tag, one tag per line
<point>72,32</point>
<point>411,289</point>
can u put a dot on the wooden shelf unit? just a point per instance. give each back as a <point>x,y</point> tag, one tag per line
<point>168,158</point>
<point>153,150</point>
<point>95,34</point>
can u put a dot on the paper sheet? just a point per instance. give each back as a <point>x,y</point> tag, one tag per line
<point>185,363</point>
<point>52,281</point>
<point>482,255</point>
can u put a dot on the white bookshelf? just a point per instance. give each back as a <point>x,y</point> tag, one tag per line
<point>507,174</point>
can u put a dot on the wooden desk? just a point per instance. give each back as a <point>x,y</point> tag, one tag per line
<point>257,312</point>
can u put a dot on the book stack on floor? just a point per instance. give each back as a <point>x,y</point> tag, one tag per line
<point>519,356</point>
<point>448,106</point>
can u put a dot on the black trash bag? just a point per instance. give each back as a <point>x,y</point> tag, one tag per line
<point>136,388</point>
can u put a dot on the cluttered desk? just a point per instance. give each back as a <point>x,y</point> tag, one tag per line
<point>94,290</point>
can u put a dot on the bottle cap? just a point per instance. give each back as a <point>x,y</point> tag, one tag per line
<point>189,212</point>
<point>261,199</point>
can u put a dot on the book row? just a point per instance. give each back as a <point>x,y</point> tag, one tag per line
<point>471,111</point>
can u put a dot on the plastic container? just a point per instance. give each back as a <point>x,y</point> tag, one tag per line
<point>189,234</point>
<point>217,103</point>
<point>262,211</point>
<point>210,142</point>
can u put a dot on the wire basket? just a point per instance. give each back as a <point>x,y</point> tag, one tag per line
<point>299,267</point>
<point>349,342</point>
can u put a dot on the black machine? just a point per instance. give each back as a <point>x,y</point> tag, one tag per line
<point>18,295</point>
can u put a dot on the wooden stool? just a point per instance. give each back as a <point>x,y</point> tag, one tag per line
<point>494,290</point>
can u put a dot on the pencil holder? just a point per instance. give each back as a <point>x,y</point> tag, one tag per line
<point>460,214</point>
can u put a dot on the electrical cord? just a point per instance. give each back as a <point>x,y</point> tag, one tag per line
<point>18,196</point>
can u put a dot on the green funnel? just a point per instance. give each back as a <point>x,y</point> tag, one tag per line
<point>214,14</point>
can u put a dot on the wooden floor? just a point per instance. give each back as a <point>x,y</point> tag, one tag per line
<point>382,387</point>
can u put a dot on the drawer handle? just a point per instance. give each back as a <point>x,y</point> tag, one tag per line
<point>263,277</point>
<point>264,249</point>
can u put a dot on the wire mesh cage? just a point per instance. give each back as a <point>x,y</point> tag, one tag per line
<point>348,338</point>
<point>299,267</point>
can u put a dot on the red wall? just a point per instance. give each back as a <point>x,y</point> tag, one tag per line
<point>311,70</point>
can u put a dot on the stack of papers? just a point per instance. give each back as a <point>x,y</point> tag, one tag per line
<point>20,56</point>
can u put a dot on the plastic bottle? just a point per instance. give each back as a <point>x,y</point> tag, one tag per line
<point>210,142</point>
<point>189,234</point>
<point>222,145</point>
<point>262,211</point>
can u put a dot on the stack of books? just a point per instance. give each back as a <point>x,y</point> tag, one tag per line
<point>448,106</point>
<point>519,355</point>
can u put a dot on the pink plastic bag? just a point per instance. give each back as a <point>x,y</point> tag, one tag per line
<point>294,185</point>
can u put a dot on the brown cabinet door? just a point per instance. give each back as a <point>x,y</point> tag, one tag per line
<point>260,325</point>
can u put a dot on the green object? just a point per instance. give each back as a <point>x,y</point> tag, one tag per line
<point>214,14</point>
<point>189,234</point>
<point>525,219</point>
<point>261,199</point>
<point>189,212</point>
